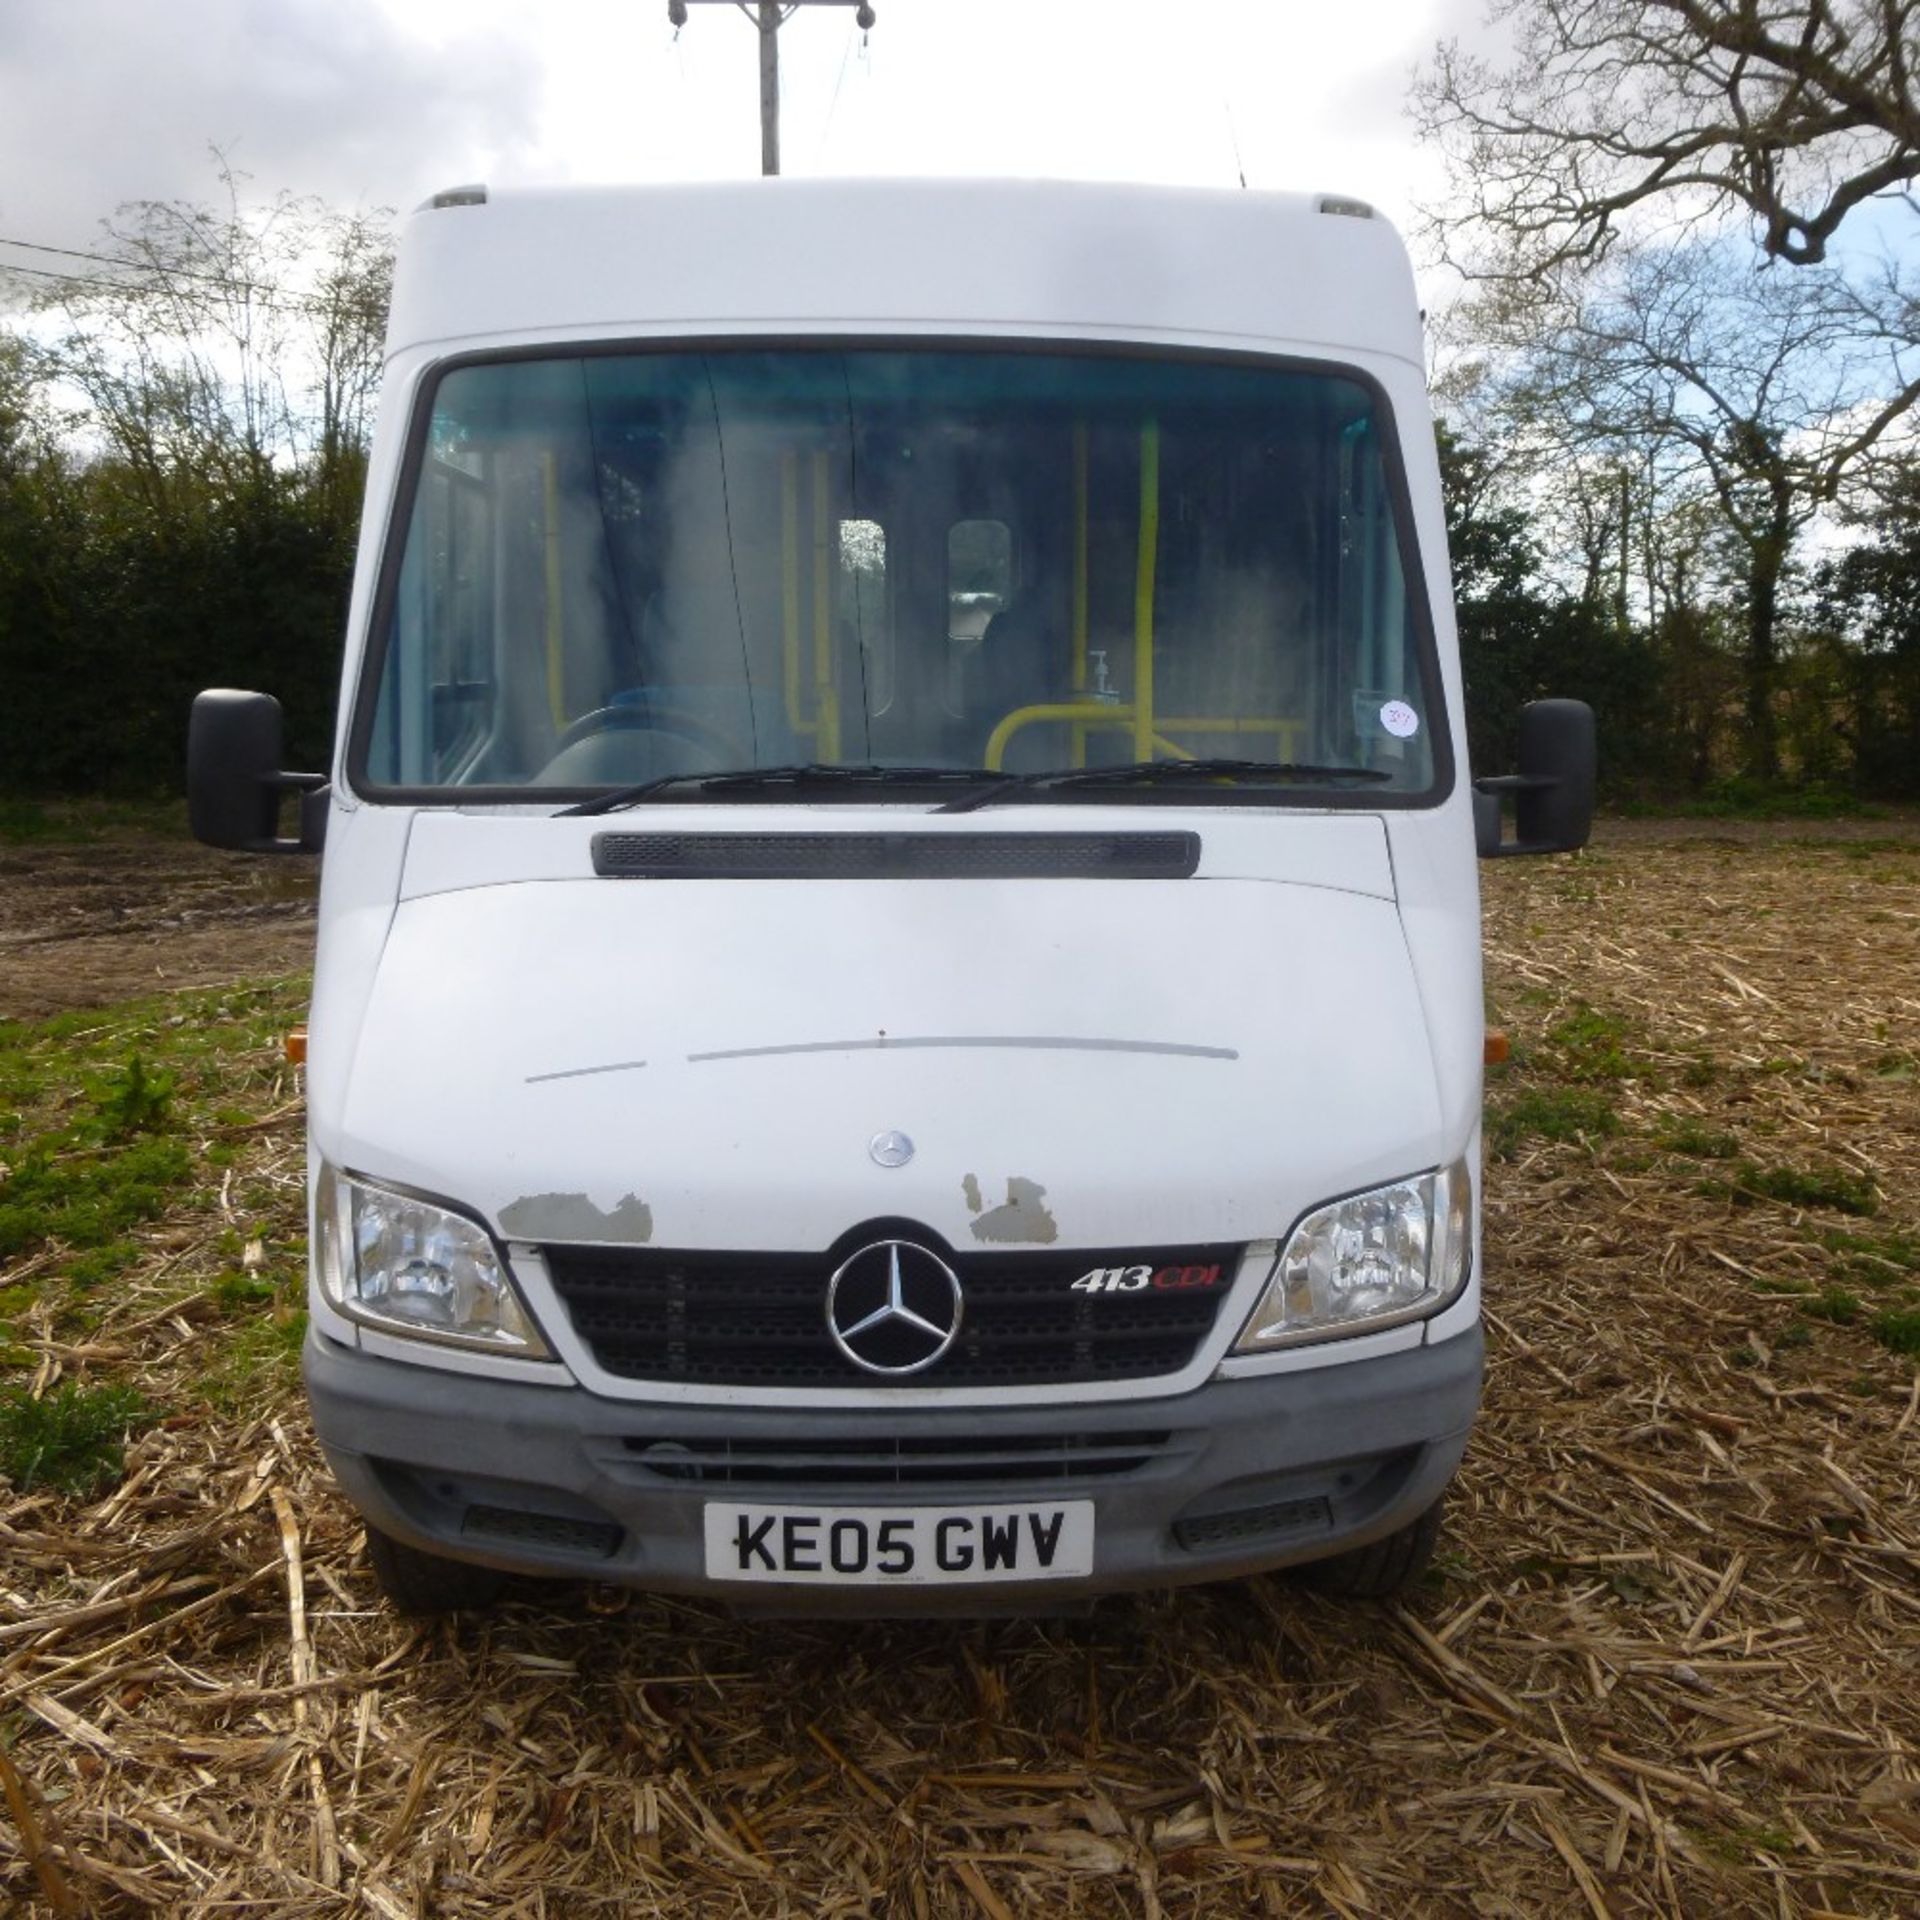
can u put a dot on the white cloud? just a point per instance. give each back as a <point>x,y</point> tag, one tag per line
<point>103,101</point>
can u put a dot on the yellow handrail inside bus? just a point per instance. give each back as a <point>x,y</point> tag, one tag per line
<point>556,628</point>
<point>1116,717</point>
<point>1079,681</point>
<point>790,588</point>
<point>1143,590</point>
<point>1090,713</point>
<point>826,707</point>
<point>1286,733</point>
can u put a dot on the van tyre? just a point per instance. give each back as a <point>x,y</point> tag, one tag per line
<point>1382,1569</point>
<point>416,1582</point>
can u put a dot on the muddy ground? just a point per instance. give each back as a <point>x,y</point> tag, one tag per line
<point>87,924</point>
<point>1664,1664</point>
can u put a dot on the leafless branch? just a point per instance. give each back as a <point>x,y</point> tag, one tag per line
<point>1796,111</point>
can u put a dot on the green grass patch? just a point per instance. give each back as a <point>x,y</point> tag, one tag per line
<point>1696,1142</point>
<point>261,1356</point>
<point>88,1199</point>
<point>1764,1838</point>
<point>111,1120</point>
<point>1741,797</point>
<point>1591,1046</point>
<point>79,823</point>
<point>15,1302</point>
<point>1873,1259</point>
<point>135,1100</point>
<point>73,1440</point>
<point>102,1109</point>
<point>1835,1304</point>
<point>1898,1330</point>
<point>1833,1188</point>
<point>171,1033</point>
<point>235,1293</point>
<point>26,823</point>
<point>1549,1113</point>
<point>96,1266</point>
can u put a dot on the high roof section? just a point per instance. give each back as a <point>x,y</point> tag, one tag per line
<point>1049,259</point>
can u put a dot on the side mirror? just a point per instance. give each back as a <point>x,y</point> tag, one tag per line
<point>1552,792</point>
<point>234,779</point>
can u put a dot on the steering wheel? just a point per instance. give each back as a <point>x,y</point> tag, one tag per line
<point>668,720</point>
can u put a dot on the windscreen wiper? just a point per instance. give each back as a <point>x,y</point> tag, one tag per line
<point>1150,773</point>
<point>752,779</point>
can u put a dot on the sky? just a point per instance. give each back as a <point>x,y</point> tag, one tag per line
<point>371,103</point>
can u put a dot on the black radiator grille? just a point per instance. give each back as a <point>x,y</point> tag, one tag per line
<point>759,1319</point>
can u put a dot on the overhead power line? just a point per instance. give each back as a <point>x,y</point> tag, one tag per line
<point>47,273</point>
<point>268,294</point>
<point>833,106</point>
<point>136,266</point>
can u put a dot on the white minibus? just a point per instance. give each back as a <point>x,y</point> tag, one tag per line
<point>897,1022</point>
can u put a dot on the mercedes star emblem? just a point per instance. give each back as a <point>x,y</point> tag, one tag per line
<point>890,1149</point>
<point>894,1307</point>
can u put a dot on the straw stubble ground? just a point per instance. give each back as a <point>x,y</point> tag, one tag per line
<point>1665,1663</point>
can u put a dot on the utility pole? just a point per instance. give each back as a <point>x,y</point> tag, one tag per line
<point>770,16</point>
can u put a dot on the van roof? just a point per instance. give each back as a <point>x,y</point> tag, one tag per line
<point>1005,258</point>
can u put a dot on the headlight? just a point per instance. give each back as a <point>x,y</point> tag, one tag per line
<point>409,1267</point>
<point>1370,1261</point>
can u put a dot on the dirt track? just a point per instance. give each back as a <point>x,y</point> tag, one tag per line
<point>87,925</point>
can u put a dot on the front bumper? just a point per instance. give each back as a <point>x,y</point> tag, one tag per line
<point>1232,1478</point>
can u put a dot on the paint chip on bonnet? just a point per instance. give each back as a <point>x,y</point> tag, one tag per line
<point>573,1216</point>
<point>1022,1218</point>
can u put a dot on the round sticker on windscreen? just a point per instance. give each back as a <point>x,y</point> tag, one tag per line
<point>1399,719</point>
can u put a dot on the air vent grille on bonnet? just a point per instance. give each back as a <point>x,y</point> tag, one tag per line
<point>896,856</point>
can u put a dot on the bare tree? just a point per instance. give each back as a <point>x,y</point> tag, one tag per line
<point>230,346</point>
<point>1771,395</point>
<point>346,310</point>
<point>1796,110</point>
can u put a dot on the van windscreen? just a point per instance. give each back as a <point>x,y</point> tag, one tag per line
<point>622,567</point>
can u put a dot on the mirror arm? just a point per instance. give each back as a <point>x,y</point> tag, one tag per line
<point>313,791</point>
<point>1495,784</point>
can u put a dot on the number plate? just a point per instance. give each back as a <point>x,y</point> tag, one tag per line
<point>899,1546</point>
